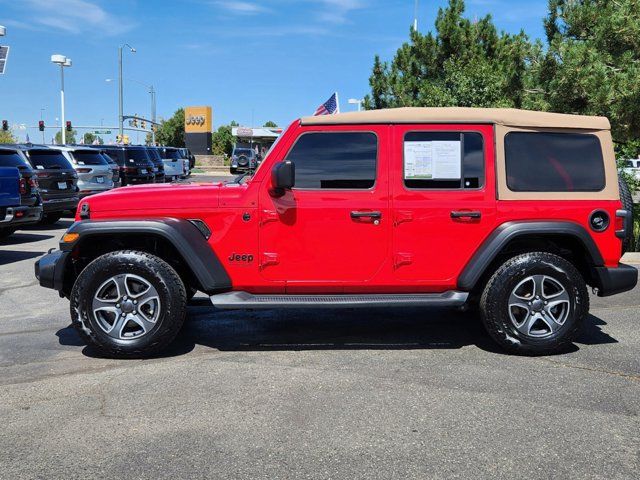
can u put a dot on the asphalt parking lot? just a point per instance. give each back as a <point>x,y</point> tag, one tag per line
<point>397,393</point>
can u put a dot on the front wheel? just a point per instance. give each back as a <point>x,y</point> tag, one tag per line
<point>128,304</point>
<point>534,304</point>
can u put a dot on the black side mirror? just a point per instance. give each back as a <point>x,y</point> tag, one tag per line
<point>283,177</point>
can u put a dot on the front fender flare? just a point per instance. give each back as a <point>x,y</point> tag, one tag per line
<point>182,234</point>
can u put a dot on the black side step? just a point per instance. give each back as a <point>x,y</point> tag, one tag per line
<point>247,300</point>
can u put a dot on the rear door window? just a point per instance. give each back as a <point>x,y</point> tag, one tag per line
<point>11,159</point>
<point>336,160</point>
<point>553,162</point>
<point>89,158</point>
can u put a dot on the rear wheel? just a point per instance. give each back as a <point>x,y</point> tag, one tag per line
<point>50,218</point>
<point>534,304</point>
<point>6,231</point>
<point>128,304</point>
<point>627,203</point>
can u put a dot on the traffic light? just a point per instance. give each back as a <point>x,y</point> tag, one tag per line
<point>135,123</point>
<point>5,125</point>
<point>118,139</point>
<point>41,125</point>
<point>69,128</point>
<point>142,124</point>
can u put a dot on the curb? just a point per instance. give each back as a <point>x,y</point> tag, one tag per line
<point>631,257</point>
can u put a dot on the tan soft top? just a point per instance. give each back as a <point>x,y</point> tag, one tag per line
<point>511,117</point>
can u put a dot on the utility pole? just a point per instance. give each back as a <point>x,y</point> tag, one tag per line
<point>415,17</point>
<point>120,90</point>
<point>153,114</point>
<point>63,62</point>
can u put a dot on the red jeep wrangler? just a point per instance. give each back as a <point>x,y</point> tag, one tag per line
<point>513,211</point>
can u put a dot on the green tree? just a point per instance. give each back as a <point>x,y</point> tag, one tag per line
<point>171,132</point>
<point>464,63</point>
<point>7,137</point>
<point>270,124</point>
<point>222,140</point>
<point>70,137</point>
<point>89,138</point>
<point>592,64</point>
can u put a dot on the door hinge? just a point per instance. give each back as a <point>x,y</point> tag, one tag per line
<point>401,216</point>
<point>269,259</point>
<point>267,216</point>
<point>402,259</point>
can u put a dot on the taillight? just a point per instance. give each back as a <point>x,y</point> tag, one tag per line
<point>23,186</point>
<point>83,170</point>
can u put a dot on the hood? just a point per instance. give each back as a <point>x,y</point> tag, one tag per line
<point>143,200</point>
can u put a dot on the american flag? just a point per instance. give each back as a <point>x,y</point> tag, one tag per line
<point>329,107</point>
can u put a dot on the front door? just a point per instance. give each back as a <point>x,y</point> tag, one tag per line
<point>333,228</point>
<point>443,200</point>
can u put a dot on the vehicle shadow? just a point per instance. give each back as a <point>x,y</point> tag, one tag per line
<point>12,256</point>
<point>64,223</point>
<point>19,238</point>
<point>339,329</point>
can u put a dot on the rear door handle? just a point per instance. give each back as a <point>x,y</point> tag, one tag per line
<point>455,214</point>
<point>355,214</point>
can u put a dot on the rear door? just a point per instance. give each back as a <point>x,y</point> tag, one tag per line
<point>332,230</point>
<point>56,177</point>
<point>443,200</point>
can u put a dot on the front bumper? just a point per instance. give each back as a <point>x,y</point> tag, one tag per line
<point>20,215</point>
<point>50,268</point>
<point>611,281</point>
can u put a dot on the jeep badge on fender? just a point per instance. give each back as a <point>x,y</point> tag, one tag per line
<point>510,213</point>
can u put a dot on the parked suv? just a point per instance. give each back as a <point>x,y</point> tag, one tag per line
<point>135,165</point>
<point>243,160</point>
<point>158,164</point>
<point>510,211</point>
<point>57,179</point>
<point>20,202</point>
<point>94,172</point>
<point>174,167</point>
<point>186,153</point>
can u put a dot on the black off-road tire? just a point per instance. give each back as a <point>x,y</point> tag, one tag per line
<point>50,218</point>
<point>159,274</point>
<point>627,203</point>
<point>495,299</point>
<point>6,232</point>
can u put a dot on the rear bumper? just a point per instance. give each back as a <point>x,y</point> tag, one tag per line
<point>133,179</point>
<point>51,205</point>
<point>20,216</point>
<point>49,269</point>
<point>611,281</point>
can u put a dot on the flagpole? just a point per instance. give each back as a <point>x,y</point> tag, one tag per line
<point>337,102</point>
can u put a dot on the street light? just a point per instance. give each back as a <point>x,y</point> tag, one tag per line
<point>355,101</point>
<point>152,92</point>
<point>63,62</point>
<point>3,31</point>
<point>120,108</point>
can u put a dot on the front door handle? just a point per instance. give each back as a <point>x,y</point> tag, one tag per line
<point>376,215</point>
<point>466,214</point>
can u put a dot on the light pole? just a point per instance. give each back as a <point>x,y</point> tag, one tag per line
<point>415,17</point>
<point>120,108</point>
<point>63,62</point>
<point>152,92</point>
<point>356,101</point>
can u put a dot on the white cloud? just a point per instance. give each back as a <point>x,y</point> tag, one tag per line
<point>337,11</point>
<point>76,16</point>
<point>245,8</point>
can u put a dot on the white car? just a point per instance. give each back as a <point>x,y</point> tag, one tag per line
<point>94,172</point>
<point>173,163</point>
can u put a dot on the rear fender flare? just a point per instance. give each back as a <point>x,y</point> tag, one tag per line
<point>505,233</point>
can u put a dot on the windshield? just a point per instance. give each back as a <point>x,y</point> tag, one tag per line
<point>86,157</point>
<point>11,159</point>
<point>137,154</point>
<point>172,154</point>
<point>44,159</point>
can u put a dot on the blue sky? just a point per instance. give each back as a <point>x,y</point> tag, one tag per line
<point>266,60</point>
